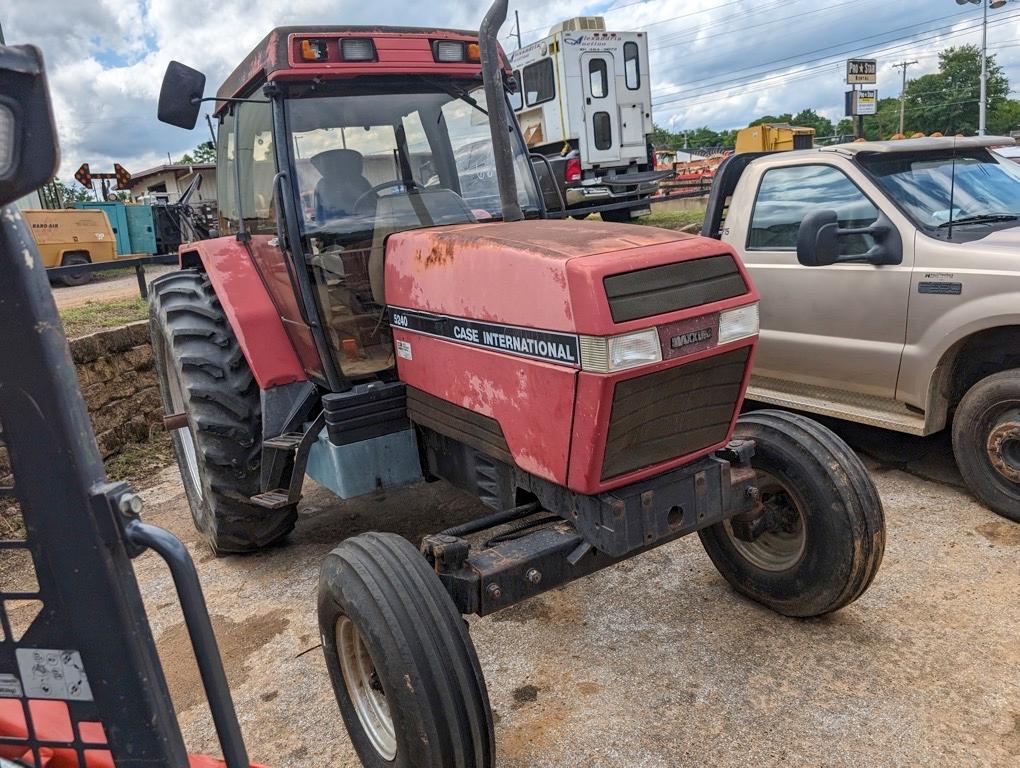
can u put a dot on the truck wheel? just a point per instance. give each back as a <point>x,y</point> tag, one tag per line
<point>203,373</point>
<point>402,664</point>
<point>820,537</point>
<point>986,442</point>
<point>75,278</point>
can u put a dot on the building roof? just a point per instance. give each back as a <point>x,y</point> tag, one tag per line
<point>921,145</point>
<point>173,168</point>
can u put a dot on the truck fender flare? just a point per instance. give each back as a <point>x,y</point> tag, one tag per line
<point>250,310</point>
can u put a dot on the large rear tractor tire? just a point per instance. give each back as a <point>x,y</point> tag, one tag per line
<point>203,374</point>
<point>403,667</point>
<point>819,540</point>
<point>986,442</point>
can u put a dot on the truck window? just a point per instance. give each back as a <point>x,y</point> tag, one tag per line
<point>787,195</point>
<point>599,78</point>
<point>631,66</point>
<point>517,97</point>
<point>539,86</point>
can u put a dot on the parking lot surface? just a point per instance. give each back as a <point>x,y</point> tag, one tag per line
<point>654,662</point>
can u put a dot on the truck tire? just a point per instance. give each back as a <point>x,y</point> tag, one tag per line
<point>825,531</point>
<point>402,665</point>
<point>75,278</point>
<point>986,442</point>
<point>203,373</point>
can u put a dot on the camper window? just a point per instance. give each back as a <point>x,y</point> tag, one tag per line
<point>599,78</point>
<point>603,131</point>
<point>631,68</point>
<point>538,82</point>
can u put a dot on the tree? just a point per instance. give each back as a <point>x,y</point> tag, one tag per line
<point>948,100</point>
<point>203,153</point>
<point>808,118</point>
<point>72,193</point>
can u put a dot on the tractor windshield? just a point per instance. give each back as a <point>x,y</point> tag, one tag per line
<point>370,162</point>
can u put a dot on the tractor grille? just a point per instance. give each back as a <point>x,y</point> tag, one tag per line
<point>673,413</point>
<point>671,287</point>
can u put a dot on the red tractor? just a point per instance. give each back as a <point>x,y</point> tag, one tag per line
<point>388,303</point>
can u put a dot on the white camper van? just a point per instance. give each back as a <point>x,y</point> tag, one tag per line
<point>584,102</point>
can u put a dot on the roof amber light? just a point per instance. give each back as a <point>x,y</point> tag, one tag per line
<point>474,52</point>
<point>357,49</point>
<point>314,50</point>
<point>448,51</point>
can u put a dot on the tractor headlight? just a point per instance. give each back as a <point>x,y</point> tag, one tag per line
<point>738,323</point>
<point>7,129</point>
<point>357,49</point>
<point>606,354</point>
<point>448,51</point>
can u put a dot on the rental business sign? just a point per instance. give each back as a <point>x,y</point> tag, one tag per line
<point>861,72</point>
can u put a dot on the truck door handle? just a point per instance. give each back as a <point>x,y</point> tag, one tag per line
<point>588,100</point>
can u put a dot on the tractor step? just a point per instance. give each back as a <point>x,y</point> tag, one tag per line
<point>277,499</point>
<point>286,442</point>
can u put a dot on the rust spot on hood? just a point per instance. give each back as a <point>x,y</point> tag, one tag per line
<point>439,254</point>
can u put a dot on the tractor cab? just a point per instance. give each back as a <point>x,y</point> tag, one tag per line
<point>368,132</point>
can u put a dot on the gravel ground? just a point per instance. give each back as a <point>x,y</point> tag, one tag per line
<point>104,289</point>
<point>654,662</point>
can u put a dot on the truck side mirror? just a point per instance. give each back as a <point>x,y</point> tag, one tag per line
<point>819,235</point>
<point>28,136</point>
<point>180,97</point>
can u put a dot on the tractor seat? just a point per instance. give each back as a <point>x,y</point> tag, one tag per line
<point>341,185</point>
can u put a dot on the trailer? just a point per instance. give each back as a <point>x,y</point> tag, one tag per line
<point>584,103</point>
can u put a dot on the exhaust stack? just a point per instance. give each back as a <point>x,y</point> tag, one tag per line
<point>495,98</point>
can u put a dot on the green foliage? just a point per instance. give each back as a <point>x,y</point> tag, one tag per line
<point>945,101</point>
<point>72,193</point>
<point>203,153</point>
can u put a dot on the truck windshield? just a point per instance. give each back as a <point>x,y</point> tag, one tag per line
<point>984,191</point>
<point>369,163</point>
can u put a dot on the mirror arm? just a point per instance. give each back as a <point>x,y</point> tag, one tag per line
<point>228,100</point>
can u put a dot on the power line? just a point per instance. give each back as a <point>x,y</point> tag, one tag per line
<point>829,49</point>
<point>833,59</point>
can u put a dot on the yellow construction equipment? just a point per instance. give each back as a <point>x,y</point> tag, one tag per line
<point>774,137</point>
<point>70,236</point>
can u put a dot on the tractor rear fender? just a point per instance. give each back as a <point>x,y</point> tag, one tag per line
<point>249,308</point>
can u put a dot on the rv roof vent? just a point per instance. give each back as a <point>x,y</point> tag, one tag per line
<point>580,24</point>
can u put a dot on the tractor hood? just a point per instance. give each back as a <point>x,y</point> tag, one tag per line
<point>537,274</point>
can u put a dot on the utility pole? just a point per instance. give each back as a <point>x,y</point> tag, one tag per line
<point>517,34</point>
<point>983,109</point>
<point>903,91</point>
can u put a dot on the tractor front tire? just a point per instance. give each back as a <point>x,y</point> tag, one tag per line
<point>402,665</point>
<point>203,373</point>
<point>824,531</point>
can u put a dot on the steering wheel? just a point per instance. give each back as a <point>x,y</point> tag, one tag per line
<point>385,185</point>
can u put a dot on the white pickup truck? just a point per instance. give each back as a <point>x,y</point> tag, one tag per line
<point>890,283</point>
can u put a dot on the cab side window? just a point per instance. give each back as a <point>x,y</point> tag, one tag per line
<point>787,195</point>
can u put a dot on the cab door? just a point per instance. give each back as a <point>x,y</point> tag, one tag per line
<point>601,139</point>
<point>841,327</point>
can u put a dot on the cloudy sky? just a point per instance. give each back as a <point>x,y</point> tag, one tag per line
<point>714,62</point>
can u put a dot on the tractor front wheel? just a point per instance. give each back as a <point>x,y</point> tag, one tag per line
<point>204,375</point>
<point>818,538</point>
<point>403,667</point>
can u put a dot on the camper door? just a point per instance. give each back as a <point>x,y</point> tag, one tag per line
<point>600,142</point>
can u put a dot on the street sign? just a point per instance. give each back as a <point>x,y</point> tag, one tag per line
<point>861,71</point>
<point>122,176</point>
<point>83,177</point>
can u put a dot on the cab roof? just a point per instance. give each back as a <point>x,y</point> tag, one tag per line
<point>927,143</point>
<point>399,49</point>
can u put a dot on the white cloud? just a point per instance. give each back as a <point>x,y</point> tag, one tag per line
<point>106,57</point>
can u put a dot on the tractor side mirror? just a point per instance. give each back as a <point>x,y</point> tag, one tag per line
<point>818,241</point>
<point>180,97</point>
<point>28,136</point>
